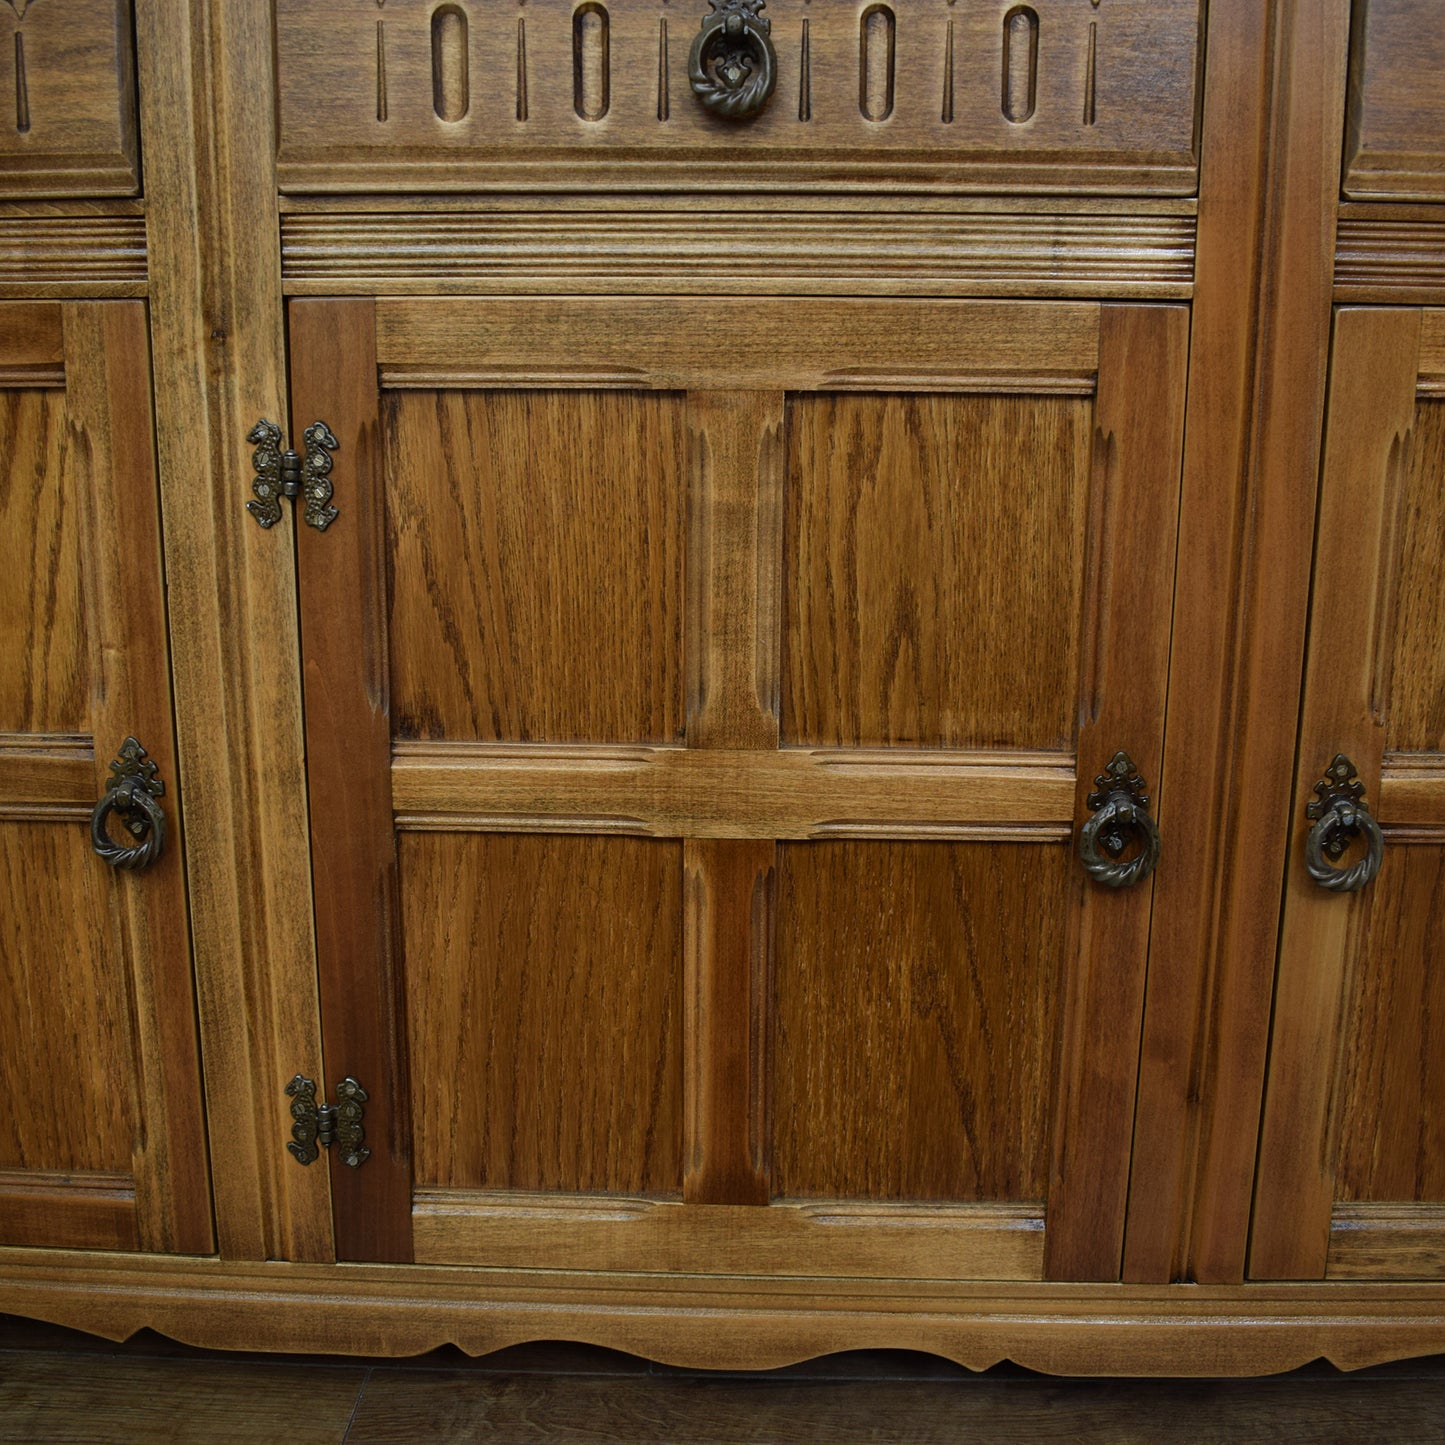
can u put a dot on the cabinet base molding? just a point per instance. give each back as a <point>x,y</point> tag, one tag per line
<point>727,1321</point>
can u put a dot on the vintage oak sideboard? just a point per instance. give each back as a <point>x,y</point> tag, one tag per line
<point>728,680</point>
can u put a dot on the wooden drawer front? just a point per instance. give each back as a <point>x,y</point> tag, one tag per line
<point>1395,142</point>
<point>67,99</point>
<point>986,95</point>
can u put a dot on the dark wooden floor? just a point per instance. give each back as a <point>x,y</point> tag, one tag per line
<point>57,1385</point>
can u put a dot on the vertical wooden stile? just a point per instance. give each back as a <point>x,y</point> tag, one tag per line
<point>1138,441</point>
<point>348,746</point>
<point>734,565</point>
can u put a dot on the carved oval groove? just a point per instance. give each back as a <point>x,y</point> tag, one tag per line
<point>451,86</point>
<point>1020,63</point>
<point>876,34</point>
<point>591,62</point>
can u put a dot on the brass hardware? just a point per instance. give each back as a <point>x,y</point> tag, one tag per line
<point>732,65</point>
<point>131,796</point>
<point>1340,815</point>
<point>1120,804</point>
<point>328,1124</point>
<point>284,474</point>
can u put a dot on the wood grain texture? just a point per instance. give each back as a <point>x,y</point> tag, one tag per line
<point>1392,1067</point>
<point>1412,792</point>
<point>1269,189</point>
<point>1391,255</point>
<point>111,1400</point>
<point>605,252</point>
<point>733,793</point>
<point>44,648</point>
<point>834,1240</point>
<point>207,113</point>
<point>728,895</point>
<point>773,344</point>
<point>1371,410</point>
<point>1386,1241</point>
<point>734,568</point>
<point>107,365</point>
<point>535,556</point>
<point>544,999</point>
<point>1141,137</point>
<point>915,1019</point>
<point>1413,690</point>
<point>46,777</point>
<point>933,561</point>
<point>71,125</point>
<point>730,1322</point>
<point>342,579</point>
<point>32,336</point>
<point>72,256</point>
<point>68,1055</point>
<point>1134,510</point>
<point>1395,140</point>
<point>68,1210</point>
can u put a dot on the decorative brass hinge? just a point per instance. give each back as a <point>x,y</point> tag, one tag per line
<point>284,474</point>
<point>328,1124</point>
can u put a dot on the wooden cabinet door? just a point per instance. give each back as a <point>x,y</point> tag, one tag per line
<point>1351,1177</point>
<point>103,1144</point>
<point>701,699</point>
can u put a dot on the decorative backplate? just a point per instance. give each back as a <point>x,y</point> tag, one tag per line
<point>1121,778</point>
<point>1338,786</point>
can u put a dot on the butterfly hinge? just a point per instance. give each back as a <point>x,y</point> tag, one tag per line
<point>288,474</point>
<point>319,1126</point>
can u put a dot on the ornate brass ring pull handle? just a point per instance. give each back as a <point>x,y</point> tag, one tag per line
<point>732,66</point>
<point>131,796</point>
<point>1120,803</point>
<point>1340,815</point>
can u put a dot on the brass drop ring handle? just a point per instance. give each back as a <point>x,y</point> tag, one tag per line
<point>1340,815</point>
<point>1120,805</point>
<point>132,797</point>
<point>732,65</point>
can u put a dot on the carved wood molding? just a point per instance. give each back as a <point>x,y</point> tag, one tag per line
<point>1390,255</point>
<point>1051,96</point>
<point>727,1320</point>
<point>72,256</point>
<point>817,253</point>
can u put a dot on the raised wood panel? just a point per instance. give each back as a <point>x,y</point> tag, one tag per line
<point>44,661</point>
<point>67,1062</point>
<point>933,563</point>
<point>1392,1065</point>
<point>543,984</point>
<point>772,344</point>
<point>45,778</point>
<point>67,99</point>
<point>837,1239</point>
<point>1395,135</point>
<point>1415,700</point>
<point>1100,100</point>
<point>536,545</point>
<point>733,793</point>
<point>916,1005</point>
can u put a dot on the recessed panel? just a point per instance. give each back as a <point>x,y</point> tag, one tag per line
<point>44,672</point>
<point>933,564</point>
<point>543,980</point>
<point>1416,711</point>
<point>1392,1078</point>
<point>536,564</point>
<point>65,1050</point>
<point>916,1001</point>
